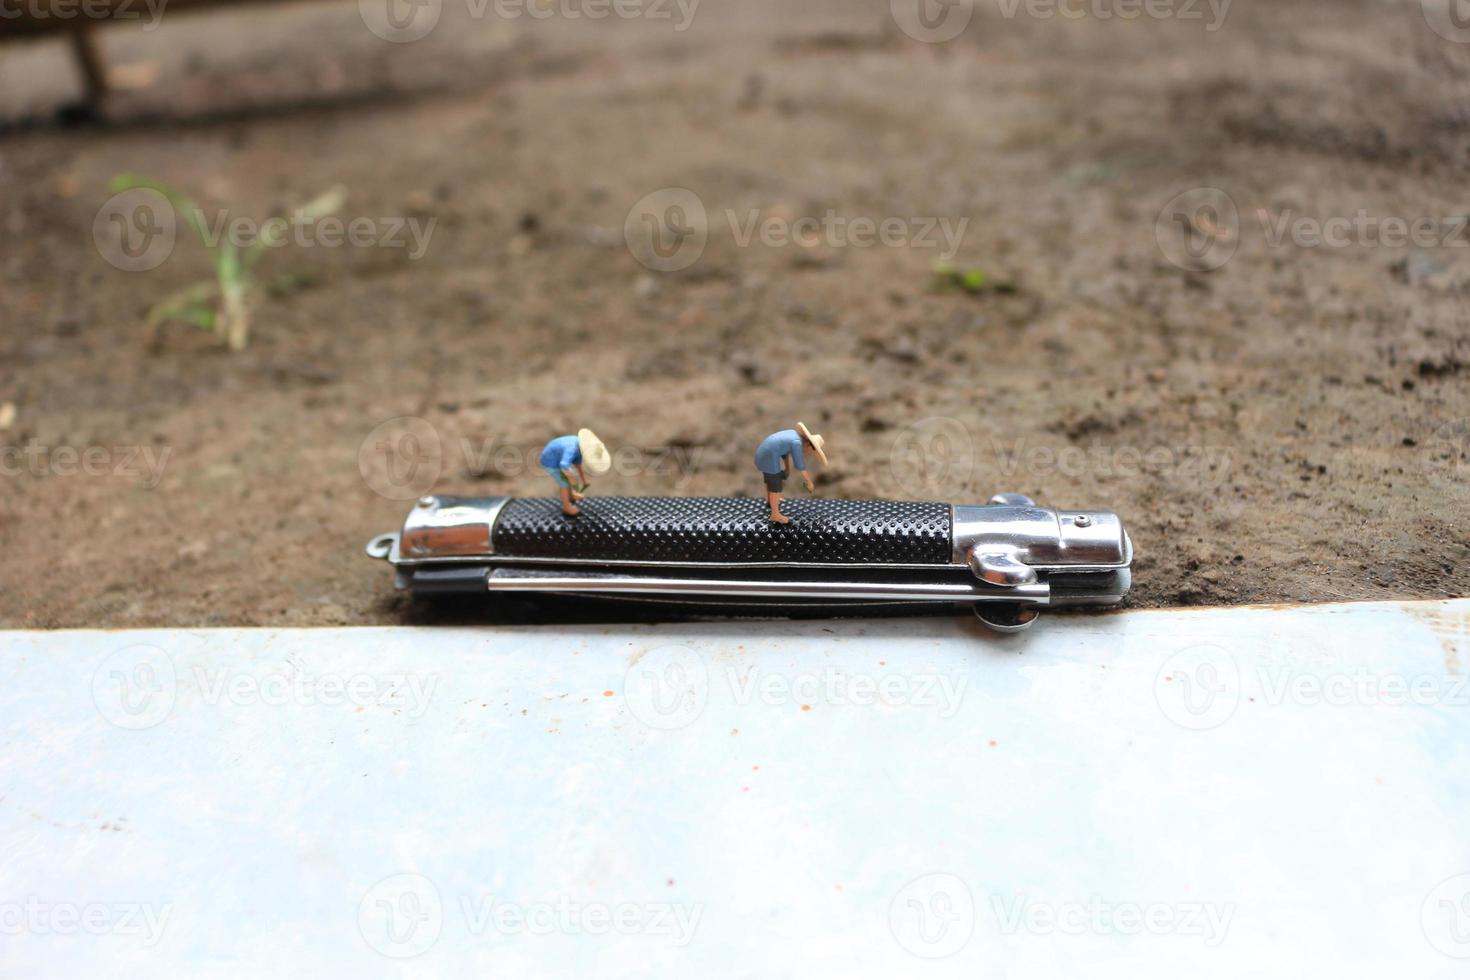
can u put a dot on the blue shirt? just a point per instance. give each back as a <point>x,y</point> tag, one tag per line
<point>562,453</point>
<point>787,442</point>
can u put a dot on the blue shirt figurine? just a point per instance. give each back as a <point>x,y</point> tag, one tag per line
<point>775,457</point>
<point>566,458</point>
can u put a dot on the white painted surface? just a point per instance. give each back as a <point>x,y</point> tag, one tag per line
<point>1257,792</point>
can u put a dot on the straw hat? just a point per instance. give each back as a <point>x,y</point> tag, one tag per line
<point>595,456</point>
<point>816,441</point>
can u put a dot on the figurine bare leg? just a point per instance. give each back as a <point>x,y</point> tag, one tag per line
<point>567,507</point>
<point>774,499</point>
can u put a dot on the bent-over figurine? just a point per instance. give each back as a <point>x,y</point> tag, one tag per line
<point>567,459</point>
<point>775,457</point>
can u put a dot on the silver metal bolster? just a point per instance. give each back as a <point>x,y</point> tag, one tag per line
<point>441,528</point>
<point>1014,542</point>
<point>1041,537</point>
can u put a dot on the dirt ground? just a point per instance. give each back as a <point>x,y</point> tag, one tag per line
<point>1290,425</point>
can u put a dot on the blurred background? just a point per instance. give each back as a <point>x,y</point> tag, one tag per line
<point>270,271</point>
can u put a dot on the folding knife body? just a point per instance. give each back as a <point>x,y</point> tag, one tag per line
<point>1006,560</point>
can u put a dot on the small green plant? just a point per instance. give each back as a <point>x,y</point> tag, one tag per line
<point>972,281</point>
<point>221,305</point>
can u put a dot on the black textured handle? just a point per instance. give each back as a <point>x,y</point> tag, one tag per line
<point>727,530</point>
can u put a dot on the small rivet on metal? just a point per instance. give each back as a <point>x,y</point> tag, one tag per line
<point>1082,520</point>
<point>427,501</point>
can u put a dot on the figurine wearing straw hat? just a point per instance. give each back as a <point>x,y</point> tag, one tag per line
<point>775,457</point>
<point>567,458</point>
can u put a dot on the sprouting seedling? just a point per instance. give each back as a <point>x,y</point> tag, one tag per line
<point>222,305</point>
<point>972,281</point>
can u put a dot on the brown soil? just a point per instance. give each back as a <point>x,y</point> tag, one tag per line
<point>1290,426</point>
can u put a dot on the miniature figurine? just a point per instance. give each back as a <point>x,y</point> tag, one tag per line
<point>569,457</point>
<point>776,455</point>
